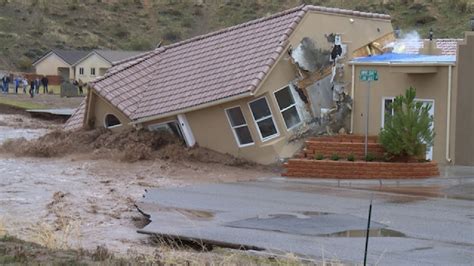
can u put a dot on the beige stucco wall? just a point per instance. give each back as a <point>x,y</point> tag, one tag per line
<point>211,129</point>
<point>356,34</point>
<point>465,104</point>
<point>392,83</point>
<point>50,65</point>
<point>100,108</point>
<point>92,61</point>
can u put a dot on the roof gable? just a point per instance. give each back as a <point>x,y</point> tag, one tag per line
<point>68,56</point>
<point>111,56</point>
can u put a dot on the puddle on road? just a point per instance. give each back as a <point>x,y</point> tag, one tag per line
<point>314,213</point>
<point>410,194</point>
<point>314,223</point>
<point>372,233</point>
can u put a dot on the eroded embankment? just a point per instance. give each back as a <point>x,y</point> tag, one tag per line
<point>129,146</point>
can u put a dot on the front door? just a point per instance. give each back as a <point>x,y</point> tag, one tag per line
<point>63,72</point>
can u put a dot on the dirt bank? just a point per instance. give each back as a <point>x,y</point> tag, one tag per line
<point>7,109</point>
<point>128,146</point>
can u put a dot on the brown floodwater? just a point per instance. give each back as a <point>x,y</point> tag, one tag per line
<point>78,202</point>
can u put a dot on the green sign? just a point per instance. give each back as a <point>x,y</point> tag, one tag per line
<point>369,75</point>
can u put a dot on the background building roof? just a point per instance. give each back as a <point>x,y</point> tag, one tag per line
<point>69,56</point>
<point>116,56</point>
<point>447,46</point>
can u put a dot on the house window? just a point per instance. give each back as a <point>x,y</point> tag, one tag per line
<point>263,118</point>
<point>387,109</point>
<point>92,71</point>
<point>111,121</point>
<point>239,126</point>
<point>81,71</point>
<point>287,106</point>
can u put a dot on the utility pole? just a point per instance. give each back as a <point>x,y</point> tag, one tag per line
<point>367,113</point>
<point>368,231</point>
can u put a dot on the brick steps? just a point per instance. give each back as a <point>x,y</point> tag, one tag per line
<point>358,169</point>
<point>345,138</point>
<point>343,149</point>
<point>305,165</point>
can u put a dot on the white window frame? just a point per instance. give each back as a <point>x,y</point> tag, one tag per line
<point>81,71</point>
<point>233,127</point>
<point>266,117</point>
<point>382,120</point>
<point>294,104</point>
<point>155,126</point>
<point>383,109</point>
<point>115,126</point>
<point>92,68</point>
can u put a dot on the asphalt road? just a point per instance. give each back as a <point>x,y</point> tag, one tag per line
<point>414,222</point>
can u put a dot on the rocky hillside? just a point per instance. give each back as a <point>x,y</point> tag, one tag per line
<point>29,28</point>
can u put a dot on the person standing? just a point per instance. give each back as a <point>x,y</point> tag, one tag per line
<point>17,84</point>
<point>37,85</point>
<point>24,82</point>
<point>80,84</point>
<point>32,88</point>
<point>45,82</point>
<point>5,81</point>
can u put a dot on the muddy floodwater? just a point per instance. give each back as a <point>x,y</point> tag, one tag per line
<point>77,202</point>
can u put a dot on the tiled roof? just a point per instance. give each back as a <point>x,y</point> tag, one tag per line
<point>76,121</point>
<point>447,46</point>
<point>206,68</point>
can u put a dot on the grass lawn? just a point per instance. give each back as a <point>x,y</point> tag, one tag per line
<point>22,104</point>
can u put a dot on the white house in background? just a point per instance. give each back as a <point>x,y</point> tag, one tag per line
<point>97,62</point>
<point>59,62</point>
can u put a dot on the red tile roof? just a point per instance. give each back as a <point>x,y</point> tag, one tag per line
<point>76,121</point>
<point>206,68</point>
<point>448,46</point>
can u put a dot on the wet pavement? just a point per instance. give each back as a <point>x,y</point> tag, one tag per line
<point>422,222</point>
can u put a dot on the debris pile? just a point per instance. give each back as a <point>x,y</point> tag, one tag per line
<point>129,146</point>
<point>321,84</point>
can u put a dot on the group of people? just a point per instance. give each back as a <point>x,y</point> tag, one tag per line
<point>21,82</point>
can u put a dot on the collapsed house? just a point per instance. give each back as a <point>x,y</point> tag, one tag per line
<point>254,90</point>
<point>247,90</point>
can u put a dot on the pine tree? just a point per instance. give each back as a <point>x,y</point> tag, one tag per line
<point>410,129</point>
